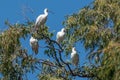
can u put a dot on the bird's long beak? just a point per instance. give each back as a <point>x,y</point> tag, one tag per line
<point>51,12</point>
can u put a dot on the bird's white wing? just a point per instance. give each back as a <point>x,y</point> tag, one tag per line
<point>38,20</point>
<point>57,36</point>
<point>31,41</point>
<point>60,36</point>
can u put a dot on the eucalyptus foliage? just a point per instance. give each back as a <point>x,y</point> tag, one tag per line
<point>96,26</point>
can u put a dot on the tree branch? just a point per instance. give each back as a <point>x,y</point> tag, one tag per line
<point>60,50</point>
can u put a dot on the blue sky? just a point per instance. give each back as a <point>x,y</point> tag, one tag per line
<point>16,10</point>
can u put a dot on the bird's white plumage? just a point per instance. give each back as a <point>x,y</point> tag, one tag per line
<point>60,35</point>
<point>41,19</point>
<point>34,44</point>
<point>74,57</point>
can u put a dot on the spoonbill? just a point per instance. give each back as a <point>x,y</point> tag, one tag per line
<point>41,19</point>
<point>34,44</point>
<point>74,57</point>
<point>60,35</point>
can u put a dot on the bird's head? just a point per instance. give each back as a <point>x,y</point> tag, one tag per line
<point>46,10</point>
<point>32,37</point>
<point>63,30</point>
<point>73,49</point>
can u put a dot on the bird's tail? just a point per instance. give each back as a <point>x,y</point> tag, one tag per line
<point>35,49</point>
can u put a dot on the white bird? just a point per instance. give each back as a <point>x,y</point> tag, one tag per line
<point>60,35</point>
<point>41,19</point>
<point>74,57</point>
<point>34,44</point>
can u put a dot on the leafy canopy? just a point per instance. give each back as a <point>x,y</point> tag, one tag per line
<point>96,26</point>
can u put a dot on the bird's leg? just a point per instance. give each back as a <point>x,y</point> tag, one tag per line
<point>42,28</point>
<point>34,29</point>
<point>37,29</point>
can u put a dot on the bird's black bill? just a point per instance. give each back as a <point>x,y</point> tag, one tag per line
<point>51,12</point>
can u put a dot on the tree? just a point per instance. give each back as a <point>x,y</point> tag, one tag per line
<point>96,26</point>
